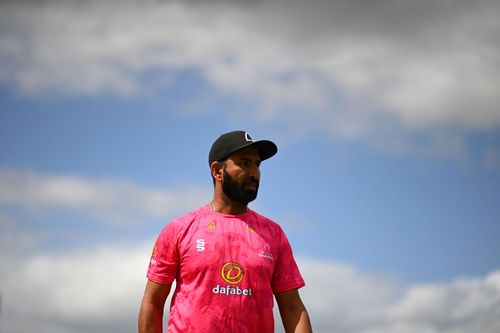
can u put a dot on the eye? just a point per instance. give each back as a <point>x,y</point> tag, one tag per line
<point>246,162</point>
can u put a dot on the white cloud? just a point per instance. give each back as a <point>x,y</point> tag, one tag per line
<point>465,305</point>
<point>351,68</point>
<point>88,291</point>
<point>99,290</point>
<point>342,298</point>
<point>108,200</point>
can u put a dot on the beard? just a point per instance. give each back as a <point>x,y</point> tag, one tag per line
<point>237,192</point>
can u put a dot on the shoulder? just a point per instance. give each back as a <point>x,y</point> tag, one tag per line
<point>183,222</point>
<point>267,223</point>
<point>191,216</point>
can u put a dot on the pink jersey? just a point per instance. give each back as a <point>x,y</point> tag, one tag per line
<point>226,268</point>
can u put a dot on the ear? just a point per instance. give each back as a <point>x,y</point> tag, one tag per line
<point>216,170</point>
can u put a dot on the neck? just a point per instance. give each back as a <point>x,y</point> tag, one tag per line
<point>226,206</point>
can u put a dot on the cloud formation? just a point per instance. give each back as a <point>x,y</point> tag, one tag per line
<point>344,299</point>
<point>352,68</point>
<point>110,201</point>
<point>99,290</point>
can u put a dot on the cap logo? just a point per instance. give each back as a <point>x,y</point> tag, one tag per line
<point>248,137</point>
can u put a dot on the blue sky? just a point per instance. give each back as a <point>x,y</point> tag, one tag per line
<point>387,179</point>
<point>397,213</point>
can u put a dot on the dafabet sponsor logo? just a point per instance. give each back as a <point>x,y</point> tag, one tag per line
<point>232,273</point>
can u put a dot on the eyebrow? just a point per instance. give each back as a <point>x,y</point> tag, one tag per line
<point>244,158</point>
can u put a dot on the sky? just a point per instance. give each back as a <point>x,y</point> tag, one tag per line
<point>386,182</point>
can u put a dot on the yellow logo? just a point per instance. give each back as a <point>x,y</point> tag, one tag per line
<point>232,272</point>
<point>211,225</point>
<point>251,228</point>
<point>155,249</point>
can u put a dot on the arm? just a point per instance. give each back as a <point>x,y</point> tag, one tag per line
<point>293,312</point>
<point>153,302</point>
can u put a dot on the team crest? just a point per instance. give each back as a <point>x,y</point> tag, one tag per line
<point>211,225</point>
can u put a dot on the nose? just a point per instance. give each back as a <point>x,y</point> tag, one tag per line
<point>254,173</point>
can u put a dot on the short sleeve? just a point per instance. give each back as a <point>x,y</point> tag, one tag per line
<point>286,275</point>
<point>165,257</point>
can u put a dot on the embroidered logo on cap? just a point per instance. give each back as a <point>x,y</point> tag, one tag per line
<point>248,137</point>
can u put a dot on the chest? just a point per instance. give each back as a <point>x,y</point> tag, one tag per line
<point>212,246</point>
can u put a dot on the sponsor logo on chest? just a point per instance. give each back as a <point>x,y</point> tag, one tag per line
<point>233,274</point>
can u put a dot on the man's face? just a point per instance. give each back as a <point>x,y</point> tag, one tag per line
<point>240,182</point>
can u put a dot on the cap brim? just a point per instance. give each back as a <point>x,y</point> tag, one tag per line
<point>266,148</point>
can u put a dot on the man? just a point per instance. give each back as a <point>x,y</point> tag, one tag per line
<point>227,260</point>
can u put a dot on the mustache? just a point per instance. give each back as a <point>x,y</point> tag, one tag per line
<point>251,181</point>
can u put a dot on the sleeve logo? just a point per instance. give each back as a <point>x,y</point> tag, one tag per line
<point>153,255</point>
<point>155,250</point>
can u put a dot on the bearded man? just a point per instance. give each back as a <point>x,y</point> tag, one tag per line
<point>228,262</point>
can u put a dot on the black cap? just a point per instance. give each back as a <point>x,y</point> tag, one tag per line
<point>230,142</point>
